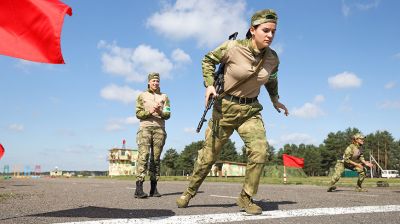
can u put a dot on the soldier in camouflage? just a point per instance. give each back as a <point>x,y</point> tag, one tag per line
<point>353,159</point>
<point>152,109</point>
<point>240,109</point>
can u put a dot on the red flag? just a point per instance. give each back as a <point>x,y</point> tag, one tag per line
<point>293,161</point>
<point>1,151</point>
<point>31,29</point>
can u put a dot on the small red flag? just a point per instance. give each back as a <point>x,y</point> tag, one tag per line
<point>292,161</point>
<point>1,151</point>
<point>31,29</point>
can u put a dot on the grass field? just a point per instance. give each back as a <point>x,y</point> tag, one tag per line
<point>318,181</point>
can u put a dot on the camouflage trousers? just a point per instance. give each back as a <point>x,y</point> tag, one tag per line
<point>339,169</point>
<point>150,142</point>
<point>247,121</point>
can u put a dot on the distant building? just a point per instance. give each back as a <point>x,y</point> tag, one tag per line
<point>122,161</point>
<point>228,168</point>
<point>56,173</point>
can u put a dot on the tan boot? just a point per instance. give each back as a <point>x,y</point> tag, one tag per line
<point>360,189</point>
<point>331,188</point>
<point>183,200</point>
<point>246,202</point>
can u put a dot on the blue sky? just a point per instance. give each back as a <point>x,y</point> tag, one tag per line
<point>340,64</point>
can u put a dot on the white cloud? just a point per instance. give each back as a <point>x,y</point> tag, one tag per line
<point>389,104</point>
<point>310,110</point>
<point>207,21</point>
<point>344,80</point>
<point>120,124</point>
<point>319,99</point>
<point>119,93</point>
<point>347,6</point>
<point>367,6</point>
<point>390,85</point>
<point>190,130</point>
<point>397,55</point>
<point>134,64</point>
<point>131,120</point>
<point>345,9</point>
<point>180,56</point>
<point>297,138</point>
<point>16,127</point>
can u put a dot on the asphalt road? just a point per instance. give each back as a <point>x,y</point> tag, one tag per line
<point>60,200</point>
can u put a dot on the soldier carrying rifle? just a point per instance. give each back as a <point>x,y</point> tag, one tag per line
<point>248,64</point>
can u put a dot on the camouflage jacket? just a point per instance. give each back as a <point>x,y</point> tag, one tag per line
<point>145,102</point>
<point>241,60</point>
<point>353,153</point>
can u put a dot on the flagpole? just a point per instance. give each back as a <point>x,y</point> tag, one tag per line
<point>284,174</point>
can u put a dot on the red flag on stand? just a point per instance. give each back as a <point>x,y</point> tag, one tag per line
<point>292,161</point>
<point>1,151</point>
<point>31,29</point>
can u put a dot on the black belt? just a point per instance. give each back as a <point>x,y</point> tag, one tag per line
<point>240,100</point>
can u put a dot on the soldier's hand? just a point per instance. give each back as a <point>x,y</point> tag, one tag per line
<point>370,165</point>
<point>278,106</point>
<point>210,91</point>
<point>156,110</point>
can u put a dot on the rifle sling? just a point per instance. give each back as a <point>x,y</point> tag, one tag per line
<point>258,68</point>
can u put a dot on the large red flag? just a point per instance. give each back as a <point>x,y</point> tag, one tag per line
<point>293,161</point>
<point>1,151</point>
<point>31,29</point>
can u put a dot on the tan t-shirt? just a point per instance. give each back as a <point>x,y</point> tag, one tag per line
<point>148,100</point>
<point>241,60</point>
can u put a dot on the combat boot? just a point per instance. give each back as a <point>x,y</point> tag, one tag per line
<point>153,189</point>
<point>331,188</point>
<point>360,189</point>
<point>183,200</point>
<point>139,190</point>
<point>246,202</point>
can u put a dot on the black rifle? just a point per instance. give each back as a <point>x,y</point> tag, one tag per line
<point>218,85</point>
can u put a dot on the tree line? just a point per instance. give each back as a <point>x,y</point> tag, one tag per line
<point>318,160</point>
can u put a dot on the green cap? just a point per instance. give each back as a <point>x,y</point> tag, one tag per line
<point>264,16</point>
<point>260,17</point>
<point>358,136</point>
<point>153,75</point>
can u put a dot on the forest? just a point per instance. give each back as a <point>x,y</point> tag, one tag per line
<point>318,160</point>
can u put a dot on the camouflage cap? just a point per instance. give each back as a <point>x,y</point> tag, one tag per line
<point>153,75</point>
<point>358,136</point>
<point>264,16</point>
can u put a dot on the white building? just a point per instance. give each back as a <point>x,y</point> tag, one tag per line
<point>122,162</point>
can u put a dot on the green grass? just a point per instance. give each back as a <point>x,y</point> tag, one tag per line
<point>317,181</point>
<point>5,196</point>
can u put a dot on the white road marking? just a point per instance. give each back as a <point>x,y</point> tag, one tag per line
<point>221,196</point>
<point>236,217</point>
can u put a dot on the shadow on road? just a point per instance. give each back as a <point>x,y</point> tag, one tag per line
<point>100,212</point>
<point>213,205</point>
<point>22,185</point>
<point>273,205</point>
<point>265,205</point>
<point>179,193</point>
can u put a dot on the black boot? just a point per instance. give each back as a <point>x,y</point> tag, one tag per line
<point>139,190</point>
<point>153,189</point>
